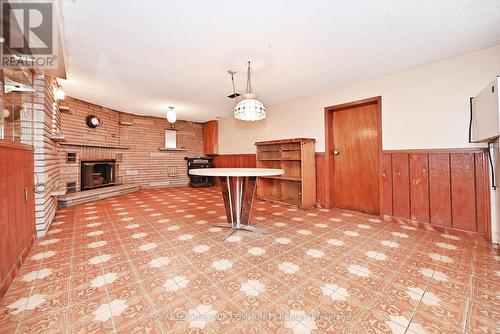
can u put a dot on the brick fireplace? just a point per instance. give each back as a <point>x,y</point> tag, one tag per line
<point>136,145</point>
<point>97,174</point>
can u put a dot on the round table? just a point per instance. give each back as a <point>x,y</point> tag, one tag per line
<point>238,188</point>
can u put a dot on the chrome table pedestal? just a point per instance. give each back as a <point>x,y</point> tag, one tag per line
<point>238,199</point>
<point>238,189</point>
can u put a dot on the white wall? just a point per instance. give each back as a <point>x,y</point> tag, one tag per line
<point>495,195</point>
<point>424,107</point>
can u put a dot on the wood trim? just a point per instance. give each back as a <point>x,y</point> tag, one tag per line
<point>286,141</point>
<point>352,104</point>
<point>15,145</point>
<point>329,144</point>
<point>438,150</point>
<point>437,228</point>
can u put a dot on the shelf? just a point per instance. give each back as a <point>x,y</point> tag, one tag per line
<point>64,108</point>
<point>57,138</point>
<point>58,192</point>
<point>284,178</point>
<point>95,145</point>
<point>297,186</point>
<point>164,149</point>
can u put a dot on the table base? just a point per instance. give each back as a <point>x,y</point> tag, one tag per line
<point>238,194</point>
<point>233,229</point>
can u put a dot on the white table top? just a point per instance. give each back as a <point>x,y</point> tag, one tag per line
<point>236,172</point>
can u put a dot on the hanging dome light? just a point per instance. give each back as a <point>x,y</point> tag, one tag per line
<point>171,115</point>
<point>59,94</point>
<point>249,109</point>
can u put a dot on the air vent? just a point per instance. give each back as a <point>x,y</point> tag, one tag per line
<point>70,187</point>
<point>71,157</point>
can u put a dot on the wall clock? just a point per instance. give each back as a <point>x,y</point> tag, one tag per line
<point>93,121</point>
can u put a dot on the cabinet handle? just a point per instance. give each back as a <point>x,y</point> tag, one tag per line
<point>25,196</point>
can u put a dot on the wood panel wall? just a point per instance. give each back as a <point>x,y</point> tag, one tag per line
<point>17,212</point>
<point>234,161</point>
<point>444,189</point>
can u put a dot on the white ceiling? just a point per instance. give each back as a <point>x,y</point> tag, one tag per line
<point>143,56</point>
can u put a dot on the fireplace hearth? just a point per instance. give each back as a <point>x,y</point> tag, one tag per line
<point>97,174</point>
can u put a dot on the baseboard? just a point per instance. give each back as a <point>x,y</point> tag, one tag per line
<point>436,228</point>
<point>7,280</point>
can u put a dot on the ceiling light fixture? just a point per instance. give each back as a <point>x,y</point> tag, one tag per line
<point>232,96</point>
<point>171,115</point>
<point>249,109</point>
<point>59,93</point>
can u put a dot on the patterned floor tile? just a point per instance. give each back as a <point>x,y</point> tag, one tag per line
<point>152,262</point>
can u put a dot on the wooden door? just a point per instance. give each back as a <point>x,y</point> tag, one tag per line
<point>356,145</point>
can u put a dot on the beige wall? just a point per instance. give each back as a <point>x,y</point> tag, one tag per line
<point>423,107</point>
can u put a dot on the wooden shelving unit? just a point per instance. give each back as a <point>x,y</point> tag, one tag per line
<point>297,158</point>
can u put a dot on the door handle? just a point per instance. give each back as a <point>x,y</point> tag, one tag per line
<point>25,196</point>
<point>336,152</point>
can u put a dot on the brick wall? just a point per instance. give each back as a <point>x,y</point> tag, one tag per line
<point>45,125</point>
<point>132,140</point>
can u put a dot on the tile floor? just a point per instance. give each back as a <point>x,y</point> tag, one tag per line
<point>152,262</point>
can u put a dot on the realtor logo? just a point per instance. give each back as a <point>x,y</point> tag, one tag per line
<point>29,30</point>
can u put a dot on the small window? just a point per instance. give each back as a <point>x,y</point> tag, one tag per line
<point>71,157</point>
<point>170,138</point>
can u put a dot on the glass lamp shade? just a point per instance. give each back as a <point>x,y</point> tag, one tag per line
<point>171,116</point>
<point>59,94</point>
<point>249,109</point>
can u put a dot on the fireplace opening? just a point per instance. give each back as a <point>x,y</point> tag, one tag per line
<point>97,174</point>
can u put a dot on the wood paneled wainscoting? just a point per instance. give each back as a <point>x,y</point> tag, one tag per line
<point>17,209</point>
<point>446,190</point>
<point>234,161</point>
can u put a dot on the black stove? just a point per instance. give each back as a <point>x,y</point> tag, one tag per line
<point>196,163</point>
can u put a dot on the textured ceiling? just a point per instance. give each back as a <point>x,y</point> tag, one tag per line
<point>142,56</point>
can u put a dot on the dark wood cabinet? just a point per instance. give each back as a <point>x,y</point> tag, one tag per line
<point>17,208</point>
<point>210,138</point>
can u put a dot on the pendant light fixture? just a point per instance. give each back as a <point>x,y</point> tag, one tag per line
<point>249,109</point>
<point>171,115</point>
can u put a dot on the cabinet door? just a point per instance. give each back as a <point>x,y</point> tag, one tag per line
<point>4,215</point>
<point>210,137</point>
